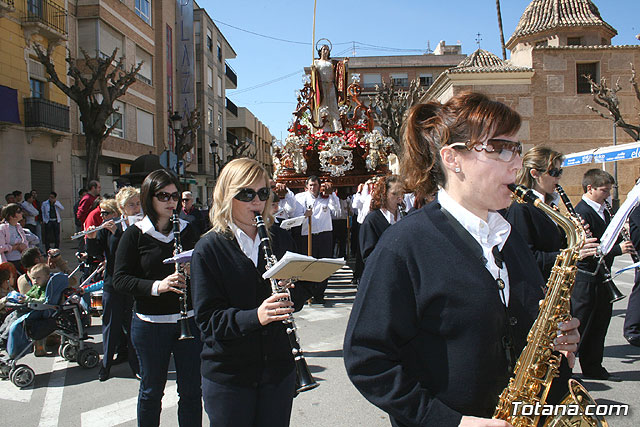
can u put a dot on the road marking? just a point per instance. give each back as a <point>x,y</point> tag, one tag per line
<point>123,411</point>
<point>53,399</point>
<point>8,391</point>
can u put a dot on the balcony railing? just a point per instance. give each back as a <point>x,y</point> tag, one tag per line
<point>7,2</point>
<point>233,108</point>
<point>231,74</point>
<point>43,113</point>
<point>46,12</point>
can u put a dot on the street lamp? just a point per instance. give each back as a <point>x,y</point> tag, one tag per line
<point>176,125</point>
<point>176,121</point>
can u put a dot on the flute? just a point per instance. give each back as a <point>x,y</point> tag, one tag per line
<point>85,232</point>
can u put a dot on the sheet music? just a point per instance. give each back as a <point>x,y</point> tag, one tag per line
<point>613,230</point>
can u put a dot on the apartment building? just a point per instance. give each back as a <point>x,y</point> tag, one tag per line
<point>35,137</point>
<point>246,132</point>
<point>214,76</point>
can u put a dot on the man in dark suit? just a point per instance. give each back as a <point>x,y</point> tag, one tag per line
<point>590,299</point>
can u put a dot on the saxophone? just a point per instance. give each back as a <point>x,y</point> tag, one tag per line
<point>537,366</point>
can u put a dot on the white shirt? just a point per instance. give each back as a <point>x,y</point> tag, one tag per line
<point>494,231</point>
<point>250,247</point>
<point>599,208</point>
<point>391,219</point>
<point>45,208</point>
<point>362,203</point>
<point>322,209</point>
<point>146,226</point>
<point>289,206</point>
<point>30,212</point>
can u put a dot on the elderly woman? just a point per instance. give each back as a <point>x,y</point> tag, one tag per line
<point>12,237</point>
<point>248,375</point>
<point>156,287</point>
<point>116,315</point>
<point>386,201</point>
<point>426,337</point>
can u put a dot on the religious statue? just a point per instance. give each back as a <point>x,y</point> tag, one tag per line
<point>329,81</point>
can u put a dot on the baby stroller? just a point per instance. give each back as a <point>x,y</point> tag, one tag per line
<point>37,320</point>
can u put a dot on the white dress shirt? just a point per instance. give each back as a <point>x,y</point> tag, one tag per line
<point>391,219</point>
<point>250,247</point>
<point>362,203</point>
<point>289,206</point>
<point>599,208</point>
<point>322,209</point>
<point>494,231</point>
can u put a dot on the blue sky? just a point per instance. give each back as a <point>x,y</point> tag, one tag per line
<point>397,24</point>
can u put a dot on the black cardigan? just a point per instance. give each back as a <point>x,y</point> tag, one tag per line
<point>423,342</point>
<point>105,245</point>
<point>542,235</point>
<point>139,264</point>
<point>227,290</point>
<point>371,229</point>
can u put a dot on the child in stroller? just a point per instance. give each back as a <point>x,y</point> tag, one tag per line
<point>34,320</point>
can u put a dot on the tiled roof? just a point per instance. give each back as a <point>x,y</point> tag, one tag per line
<point>542,15</point>
<point>483,61</point>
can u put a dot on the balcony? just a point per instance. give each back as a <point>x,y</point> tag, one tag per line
<point>45,18</point>
<point>6,7</point>
<point>46,115</point>
<point>232,77</point>
<point>231,107</point>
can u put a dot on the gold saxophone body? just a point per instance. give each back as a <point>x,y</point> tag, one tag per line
<point>537,365</point>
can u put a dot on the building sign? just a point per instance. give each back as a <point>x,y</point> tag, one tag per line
<point>185,57</point>
<point>170,81</point>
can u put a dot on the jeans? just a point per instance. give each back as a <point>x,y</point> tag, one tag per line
<point>154,343</point>
<point>267,405</point>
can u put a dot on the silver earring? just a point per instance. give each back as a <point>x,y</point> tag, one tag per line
<point>457,170</point>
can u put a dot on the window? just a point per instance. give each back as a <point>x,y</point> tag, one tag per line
<point>209,41</point>
<point>196,28</point>
<point>219,52</point>
<point>109,40</point>
<point>219,86</point>
<point>145,127</point>
<point>426,79</point>
<point>574,41</point>
<point>586,69</point>
<point>35,7</point>
<point>145,74</point>
<point>400,80</point>
<point>210,116</point>
<point>210,77</point>
<point>37,88</point>
<point>143,10</point>
<point>219,123</point>
<point>117,118</point>
<point>87,36</point>
<point>369,81</point>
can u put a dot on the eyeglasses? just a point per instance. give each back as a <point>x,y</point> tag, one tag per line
<point>105,213</point>
<point>248,194</point>
<point>555,172</point>
<point>163,196</point>
<point>499,149</point>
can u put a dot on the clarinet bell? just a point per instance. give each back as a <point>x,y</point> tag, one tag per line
<point>304,379</point>
<point>185,330</point>
<point>614,292</point>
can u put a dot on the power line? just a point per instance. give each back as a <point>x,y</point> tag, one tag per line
<point>259,85</point>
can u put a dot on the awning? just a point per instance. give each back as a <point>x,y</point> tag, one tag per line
<point>604,154</point>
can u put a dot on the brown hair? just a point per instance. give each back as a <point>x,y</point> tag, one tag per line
<point>540,158</point>
<point>596,178</point>
<point>468,117</point>
<point>380,190</point>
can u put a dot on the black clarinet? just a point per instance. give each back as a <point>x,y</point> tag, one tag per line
<point>614,292</point>
<point>185,330</point>
<point>304,379</point>
<point>625,235</point>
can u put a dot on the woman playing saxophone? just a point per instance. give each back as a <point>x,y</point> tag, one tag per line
<point>450,292</point>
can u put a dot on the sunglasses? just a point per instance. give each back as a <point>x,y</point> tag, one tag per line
<point>105,213</point>
<point>555,172</point>
<point>248,194</point>
<point>498,149</point>
<point>163,196</point>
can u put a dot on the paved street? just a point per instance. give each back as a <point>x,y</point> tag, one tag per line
<point>65,394</point>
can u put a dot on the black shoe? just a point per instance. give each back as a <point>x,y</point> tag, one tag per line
<point>318,300</point>
<point>600,374</point>
<point>633,341</point>
<point>103,375</point>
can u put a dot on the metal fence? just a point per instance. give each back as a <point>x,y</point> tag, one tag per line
<point>39,112</point>
<point>46,12</point>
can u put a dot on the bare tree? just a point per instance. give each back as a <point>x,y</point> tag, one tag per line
<point>390,106</point>
<point>241,148</point>
<point>607,98</point>
<point>97,83</point>
<point>504,50</point>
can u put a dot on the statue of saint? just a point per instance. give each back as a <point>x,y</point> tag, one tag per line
<point>329,81</point>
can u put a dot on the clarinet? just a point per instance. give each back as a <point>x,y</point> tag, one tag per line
<point>304,379</point>
<point>614,292</point>
<point>401,212</point>
<point>625,235</point>
<point>185,330</point>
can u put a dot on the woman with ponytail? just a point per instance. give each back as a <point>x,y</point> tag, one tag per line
<point>433,336</point>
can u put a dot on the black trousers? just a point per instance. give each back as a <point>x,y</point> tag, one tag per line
<point>51,235</point>
<point>632,317</point>
<point>321,247</point>
<point>116,328</point>
<point>590,304</point>
<point>339,238</point>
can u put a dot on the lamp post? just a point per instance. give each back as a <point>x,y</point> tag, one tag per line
<point>176,125</point>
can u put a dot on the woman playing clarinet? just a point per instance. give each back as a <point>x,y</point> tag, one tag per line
<point>248,375</point>
<point>156,288</point>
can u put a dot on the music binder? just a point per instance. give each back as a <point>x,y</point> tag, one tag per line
<point>303,267</point>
